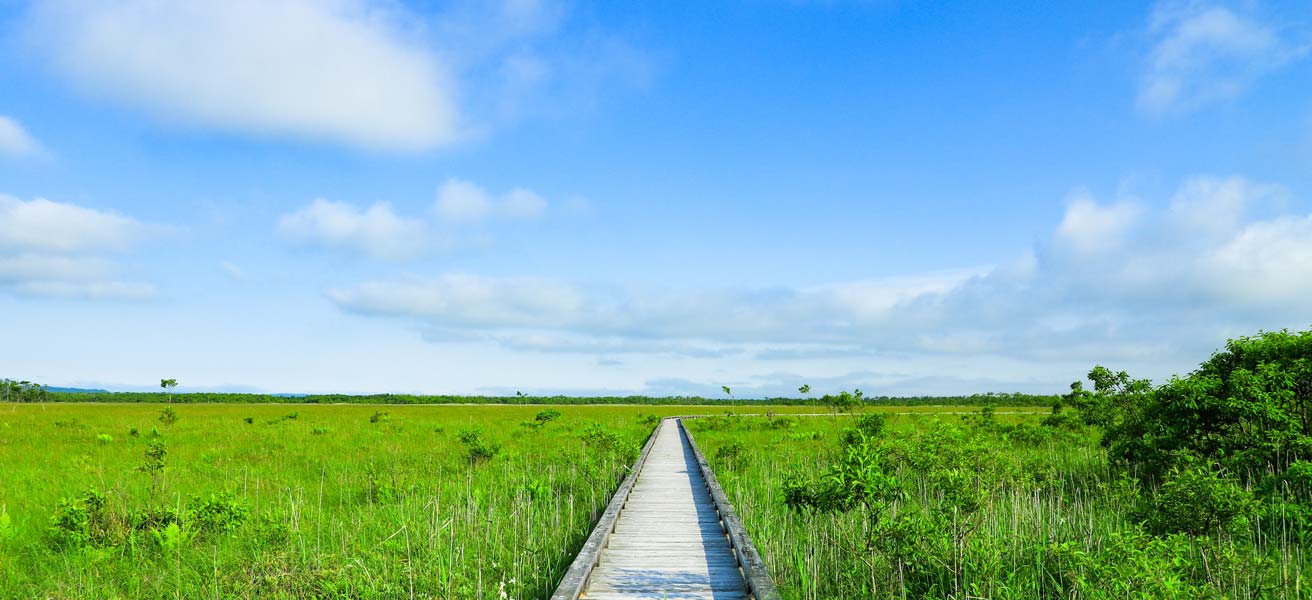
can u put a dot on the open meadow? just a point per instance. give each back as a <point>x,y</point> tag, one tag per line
<point>307,500</point>
<point>991,505</point>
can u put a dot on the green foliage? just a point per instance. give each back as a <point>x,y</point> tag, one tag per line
<point>380,417</point>
<point>1199,499</point>
<point>221,512</point>
<point>1248,408</point>
<point>104,438</point>
<point>7,531</point>
<point>868,427</point>
<point>168,416</point>
<point>320,430</point>
<point>173,537</point>
<point>547,416</point>
<point>22,391</point>
<point>478,448</point>
<point>155,455</point>
<point>732,456</point>
<point>858,478</point>
<point>844,401</point>
<point>248,420</point>
<point>602,439</point>
<point>83,521</point>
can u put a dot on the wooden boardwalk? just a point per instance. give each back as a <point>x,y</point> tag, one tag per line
<point>666,536</point>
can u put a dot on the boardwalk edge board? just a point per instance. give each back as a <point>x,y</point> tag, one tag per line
<point>759,582</point>
<point>754,575</point>
<point>575,580</point>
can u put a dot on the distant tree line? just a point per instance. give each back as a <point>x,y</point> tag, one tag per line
<point>34,392</point>
<point>23,391</point>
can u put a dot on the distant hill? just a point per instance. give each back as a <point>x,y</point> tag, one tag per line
<point>69,390</point>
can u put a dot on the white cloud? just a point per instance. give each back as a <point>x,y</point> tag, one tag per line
<point>53,249</point>
<point>15,142</point>
<point>233,271</point>
<point>468,301</point>
<point>520,203</point>
<point>345,71</point>
<point>42,225</point>
<point>88,290</point>
<point>31,267</point>
<point>1089,227</point>
<point>376,231</point>
<point>1117,281</point>
<point>463,202</point>
<point>1204,53</point>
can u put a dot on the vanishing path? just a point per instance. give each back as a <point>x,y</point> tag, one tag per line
<point>667,534</point>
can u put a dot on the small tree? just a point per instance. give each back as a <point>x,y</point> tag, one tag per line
<point>843,401</point>
<point>168,385</point>
<point>727,391</point>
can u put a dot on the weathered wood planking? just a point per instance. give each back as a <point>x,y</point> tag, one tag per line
<point>664,536</point>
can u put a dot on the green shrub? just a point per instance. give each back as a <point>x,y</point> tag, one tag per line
<point>547,416</point>
<point>1248,408</point>
<point>218,513</point>
<point>1200,500</point>
<point>477,447</point>
<point>168,416</point>
<point>84,521</point>
<point>732,456</point>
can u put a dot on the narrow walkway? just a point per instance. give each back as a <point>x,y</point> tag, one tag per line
<point>668,542</point>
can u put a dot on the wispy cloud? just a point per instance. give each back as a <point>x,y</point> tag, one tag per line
<point>460,201</point>
<point>1203,52</point>
<point>233,271</point>
<point>54,249</point>
<point>371,74</point>
<point>346,71</point>
<point>16,142</point>
<point>375,231</point>
<point>378,232</point>
<point>1116,281</point>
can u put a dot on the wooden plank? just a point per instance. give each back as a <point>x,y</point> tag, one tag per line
<point>667,537</point>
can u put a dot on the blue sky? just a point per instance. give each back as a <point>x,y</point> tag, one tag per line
<point>560,197</point>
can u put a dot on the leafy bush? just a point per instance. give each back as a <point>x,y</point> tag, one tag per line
<point>1248,408</point>
<point>603,440</point>
<point>868,427</point>
<point>380,417</point>
<point>1200,500</point>
<point>478,448</point>
<point>732,456</point>
<point>218,513</point>
<point>84,521</point>
<point>547,416</point>
<point>168,416</point>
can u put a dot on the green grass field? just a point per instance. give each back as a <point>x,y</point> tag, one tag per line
<point>493,501</point>
<point>306,500</point>
<point>1000,508</point>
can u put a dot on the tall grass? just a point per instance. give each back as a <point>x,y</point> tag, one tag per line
<point>331,501</point>
<point>1056,522</point>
